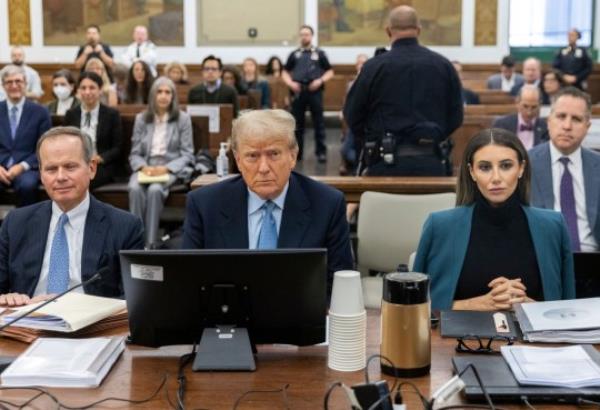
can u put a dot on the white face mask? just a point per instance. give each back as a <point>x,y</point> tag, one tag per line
<point>62,92</point>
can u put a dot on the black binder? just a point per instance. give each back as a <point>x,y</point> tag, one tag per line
<point>461,323</point>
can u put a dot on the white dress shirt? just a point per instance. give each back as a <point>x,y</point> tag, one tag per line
<point>74,230</point>
<point>147,55</point>
<point>508,84</point>
<point>255,214</point>
<point>93,127</point>
<point>62,106</point>
<point>159,139</point>
<point>586,239</point>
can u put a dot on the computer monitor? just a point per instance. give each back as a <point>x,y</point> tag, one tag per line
<point>279,296</point>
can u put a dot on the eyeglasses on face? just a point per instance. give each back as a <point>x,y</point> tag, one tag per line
<point>476,344</point>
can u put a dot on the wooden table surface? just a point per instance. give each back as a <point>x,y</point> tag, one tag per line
<point>140,371</point>
<point>353,187</point>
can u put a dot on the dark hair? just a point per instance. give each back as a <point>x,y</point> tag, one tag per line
<point>508,61</point>
<point>133,89</point>
<point>312,31</point>
<point>575,93</point>
<point>240,85</point>
<point>90,75</point>
<point>213,58</point>
<point>67,75</point>
<point>269,67</point>
<point>467,188</point>
<point>97,27</point>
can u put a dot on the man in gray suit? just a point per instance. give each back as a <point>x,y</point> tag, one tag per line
<point>507,78</point>
<point>566,176</point>
<point>526,124</point>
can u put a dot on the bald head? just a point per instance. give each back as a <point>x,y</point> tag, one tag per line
<point>403,22</point>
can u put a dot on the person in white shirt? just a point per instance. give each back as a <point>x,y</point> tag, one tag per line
<point>507,78</point>
<point>565,175</point>
<point>63,88</point>
<point>34,84</point>
<point>162,146</point>
<point>141,49</point>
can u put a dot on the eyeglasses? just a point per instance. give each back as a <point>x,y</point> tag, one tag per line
<point>475,344</point>
<point>14,82</point>
<point>210,69</point>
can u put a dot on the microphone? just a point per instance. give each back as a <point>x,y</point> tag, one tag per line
<point>94,278</point>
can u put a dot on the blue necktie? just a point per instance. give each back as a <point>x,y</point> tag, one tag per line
<point>58,272</point>
<point>267,238</point>
<point>13,121</point>
<point>567,204</point>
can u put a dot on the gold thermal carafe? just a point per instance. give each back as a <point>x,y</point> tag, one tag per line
<point>405,324</point>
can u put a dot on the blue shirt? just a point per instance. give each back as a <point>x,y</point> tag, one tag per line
<point>255,214</point>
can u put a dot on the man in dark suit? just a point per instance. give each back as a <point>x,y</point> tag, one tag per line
<point>21,124</point>
<point>52,245</point>
<point>269,206</point>
<point>526,124</point>
<point>566,176</point>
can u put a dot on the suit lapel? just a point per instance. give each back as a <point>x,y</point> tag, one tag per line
<point>22,121</point>
<point>591,184</point>
<point>38,227</point>
<point>94,235</point>
<point>542,177</point>
<point>295,218</point>
<point>149,136</point>
<point>100,131</point>
<point>5,124</point>
<point>233,222</point>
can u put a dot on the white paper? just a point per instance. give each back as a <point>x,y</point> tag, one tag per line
<point>213,112</point>
<point>572,314</point>
<point>563,366</point>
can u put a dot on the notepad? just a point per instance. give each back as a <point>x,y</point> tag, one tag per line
<point>64,362</point>
<point>148,179</point>
<point>68,313</point>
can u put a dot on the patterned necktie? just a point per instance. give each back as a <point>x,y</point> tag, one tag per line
<point>267,238</point>
<point>13,121</point>
<point>525,127</point>
<point>58,272</point>
<point>88,120</point>
<point>567,204</point>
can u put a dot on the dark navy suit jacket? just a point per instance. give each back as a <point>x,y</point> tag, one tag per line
<point>314,216</point>
<point>35,120</point>
<point>511,122</point>
<point>107,230</point>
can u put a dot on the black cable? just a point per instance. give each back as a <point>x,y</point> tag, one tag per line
<point>467,406</point>
<point>181,379</point>
<point>529,406</point>
<point>282,390</point>
<point>43,392</point>
<point>31,400</point>
<point>328,393</point>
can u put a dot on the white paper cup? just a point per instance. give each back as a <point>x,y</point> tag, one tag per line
<point>346,294</point>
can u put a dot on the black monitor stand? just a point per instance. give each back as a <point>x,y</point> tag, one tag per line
<point>226,345</point>
<point>224,348</point>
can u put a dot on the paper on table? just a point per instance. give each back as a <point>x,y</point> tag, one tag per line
<point>569,366</point>
<point>213,112</point>
<point>561,314</point>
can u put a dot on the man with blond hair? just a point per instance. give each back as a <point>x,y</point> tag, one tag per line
<point>269,206</point>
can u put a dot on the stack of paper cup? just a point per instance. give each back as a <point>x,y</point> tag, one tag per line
<point>347,323</point>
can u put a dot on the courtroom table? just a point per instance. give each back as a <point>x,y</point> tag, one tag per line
<point>353,187</point>
<point>140,371</point>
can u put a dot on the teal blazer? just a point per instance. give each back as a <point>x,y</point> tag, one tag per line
<point>445,238</point>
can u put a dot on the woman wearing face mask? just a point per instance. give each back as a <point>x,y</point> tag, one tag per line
<point>63,88</point>
<point>493,250</point>
<point>101,123</point>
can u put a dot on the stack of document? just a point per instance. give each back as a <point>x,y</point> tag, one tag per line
<point>560,321</point>
<point>151,179</point>
<point>574,366</point>
<point>64,362</point>
<point>68,313</point>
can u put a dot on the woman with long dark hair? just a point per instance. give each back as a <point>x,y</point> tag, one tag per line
<point>139,81</point>
<point>493,250</point>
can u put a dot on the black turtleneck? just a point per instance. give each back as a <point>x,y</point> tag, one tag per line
<point>500,245</point>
